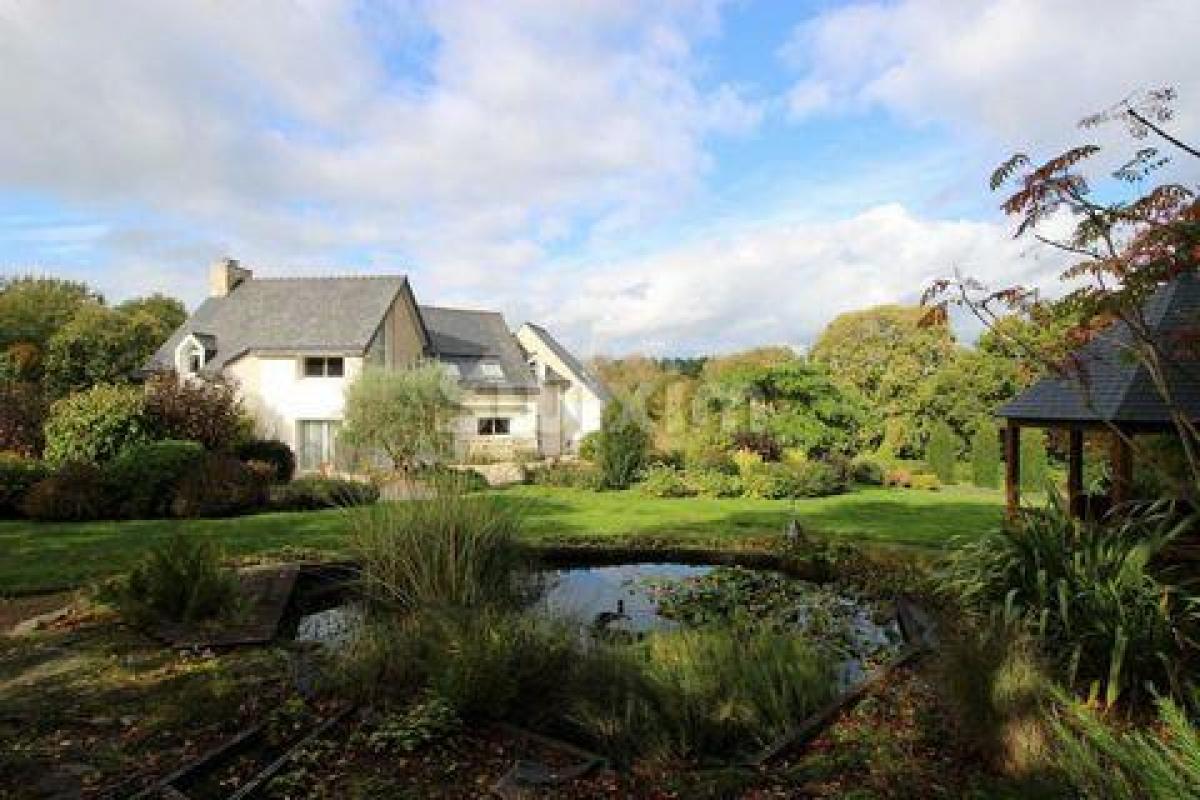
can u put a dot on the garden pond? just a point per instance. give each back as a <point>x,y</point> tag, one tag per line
<point>627,602</point>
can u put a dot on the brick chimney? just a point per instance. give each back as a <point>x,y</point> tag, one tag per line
<point>225,275</point>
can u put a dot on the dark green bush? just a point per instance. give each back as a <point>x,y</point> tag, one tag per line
<point>664,481</point>
<point>868,471</point>
<point>221,486</point>
<point>180,580</point>
<point>769,481</point>
<point>310,494</point>
<point>806,479</point>
<point>95,425</point>
<point>75,492</point>
<point>941,452</point>
<point>17,475</point>
<point>1035,467</point>
<point>816,479</point>
<point>273,452</point>
<point>624,443</point>
<point>142,479</point>
<point>985,456</point>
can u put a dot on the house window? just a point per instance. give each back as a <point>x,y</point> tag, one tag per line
<point>315,443</point>
<point>491,372</point>
<point>195,362</point>
<point>324,367</point>
<point>494,426</point>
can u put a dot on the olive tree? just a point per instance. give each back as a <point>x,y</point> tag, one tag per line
<point>405,414</point>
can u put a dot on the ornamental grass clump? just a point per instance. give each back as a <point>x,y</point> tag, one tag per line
<point>1101,760</point>
<point>697,694</point>
<point>1093,594</point>
<point>181,580</point>
<point>443,548</point>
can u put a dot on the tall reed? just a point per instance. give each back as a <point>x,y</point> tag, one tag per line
<point>444,547</point>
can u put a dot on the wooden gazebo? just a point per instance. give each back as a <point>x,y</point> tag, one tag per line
<point>1109,390</point>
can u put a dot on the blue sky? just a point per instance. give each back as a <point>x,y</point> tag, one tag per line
<point>677,177</point>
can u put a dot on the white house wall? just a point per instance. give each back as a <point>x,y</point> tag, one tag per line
<point>520,409</point>
<point>274,390</point>
<point>580,410</point>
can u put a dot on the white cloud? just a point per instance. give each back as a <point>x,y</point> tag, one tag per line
<point>781,281</point>
<point>286,131</point>
<point>1022,71</point>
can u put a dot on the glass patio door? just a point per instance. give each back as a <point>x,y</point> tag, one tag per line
<point>316,443</point>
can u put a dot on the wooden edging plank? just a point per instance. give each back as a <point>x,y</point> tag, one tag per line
<point>808,730</point>
<point>271,769</point>
<point>207,758</point>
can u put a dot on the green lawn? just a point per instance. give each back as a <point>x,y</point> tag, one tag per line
<point>51,556</point>
<point>891,517</point>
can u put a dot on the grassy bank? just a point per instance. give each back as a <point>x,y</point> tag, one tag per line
<point>45,556</point>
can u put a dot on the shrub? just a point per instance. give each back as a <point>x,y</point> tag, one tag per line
<point>699,457</point>
<point>427,720</point>
<point>22,416</point>
<point>868,471</point>
<point>623,445</point>
<point>941,452</point>
<point>712,483</point>
<point>1090,593</point>
<point>589,447</point>
<point>794,455</point>
<point>75,492</point>
<point>180,581</point>
<point>567,475</point>
<point>310,494</point>
<point>663,481</point>
<point>985,456</point>
<point>769,481</point>
<point>142,479</point>
<point>444,548</point>
<point>925,480</point>
<point>95,425</point>
<point>760,442</point>
<point>1035,468</point>
<point>898,477</point>
<point>816,479</point>
<point>221,486</point>
<point>746,461</point>
<point>17,475</point>
<point>196,410</point>
<point>273,452</point>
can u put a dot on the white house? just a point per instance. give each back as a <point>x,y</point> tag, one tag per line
<point>292,345</point>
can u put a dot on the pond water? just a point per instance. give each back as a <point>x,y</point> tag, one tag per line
<point>613,597</point>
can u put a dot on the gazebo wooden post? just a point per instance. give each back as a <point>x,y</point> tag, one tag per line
<point>1122,470</point>
<point>1012,468</point>
<point>1075,471</point>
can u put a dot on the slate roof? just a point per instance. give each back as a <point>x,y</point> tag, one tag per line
<point>324,315</point>
<point>477,342</point>
<point>1111,386</point>
<point>582,373</point>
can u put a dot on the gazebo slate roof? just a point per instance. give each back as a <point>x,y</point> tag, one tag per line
<point>1108,384</point>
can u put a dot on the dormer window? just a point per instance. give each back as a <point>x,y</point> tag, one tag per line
<point>191,356</point>
<point>324,367</point>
